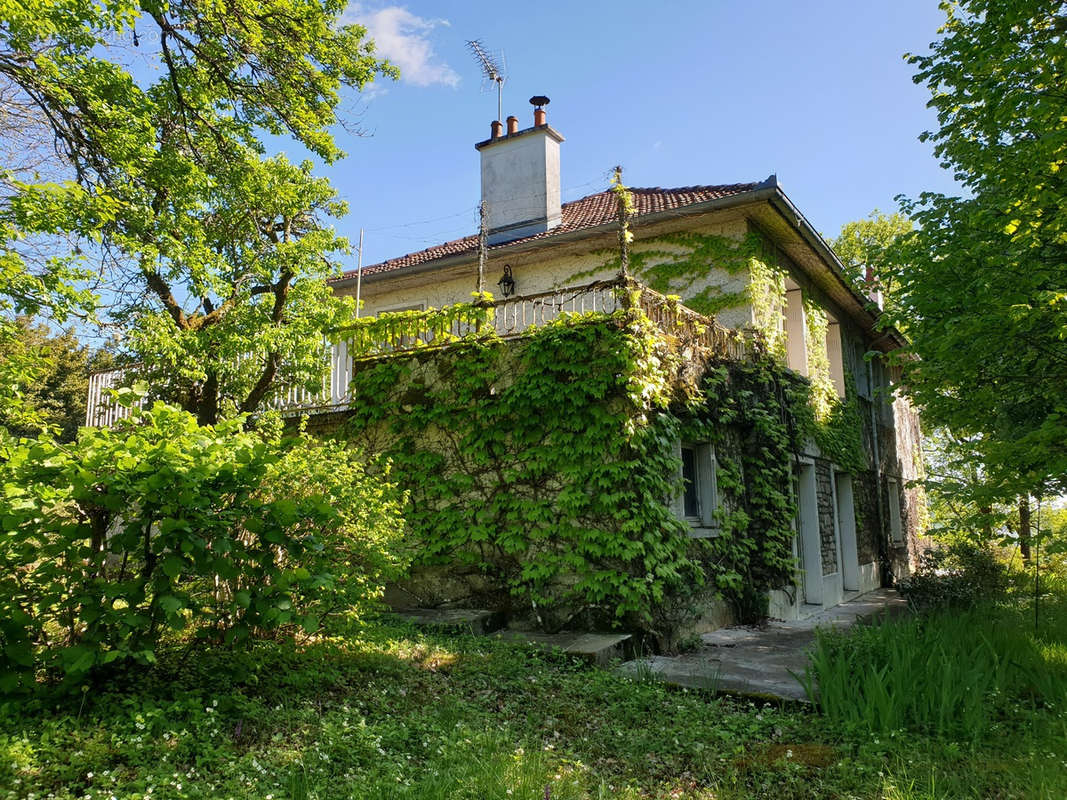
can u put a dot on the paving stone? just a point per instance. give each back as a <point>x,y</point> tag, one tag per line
<point>761,662</point>
<point>597,648</point>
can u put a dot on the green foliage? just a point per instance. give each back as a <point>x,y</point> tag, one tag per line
<point>215,255</point>
<point>823,393</point>
<point>867,243</point>
<point>766,292</point>
<point>263,307</point>
<point>159,524</point>
<point>546,463</point>
<point>388,712</point>
<point>27,289</point>
<point>960,575</point>
<point>56,379</point>
<point>983,278</point>
<point>743,413</point>
<point>676,262</point>
<point>838,431</point>
<point>398,330</point>
<point>951,674</point>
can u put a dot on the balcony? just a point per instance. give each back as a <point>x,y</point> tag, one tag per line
<point>508,318</point>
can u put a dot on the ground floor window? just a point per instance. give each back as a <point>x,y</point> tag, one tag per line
<point>896,528</point>
<point>699,497</point>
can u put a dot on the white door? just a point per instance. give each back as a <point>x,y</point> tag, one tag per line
<point>808,529</point>
<point>846,525</point>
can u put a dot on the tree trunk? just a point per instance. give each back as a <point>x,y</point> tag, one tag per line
<point>1024,528</point>
<point>987,522</point>
<point>207,407</point>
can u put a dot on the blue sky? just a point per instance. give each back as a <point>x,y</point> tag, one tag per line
<point>679,93</point>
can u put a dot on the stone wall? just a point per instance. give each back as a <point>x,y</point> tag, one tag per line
<point>824,494</point>
<point>868,528</point>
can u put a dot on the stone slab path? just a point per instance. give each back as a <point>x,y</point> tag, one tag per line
<point>454,620</point>
<point>597,648</point>
<point>758,661</point>
<point>602,649</point>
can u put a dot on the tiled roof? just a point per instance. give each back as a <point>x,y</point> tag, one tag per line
<point>588,212</point>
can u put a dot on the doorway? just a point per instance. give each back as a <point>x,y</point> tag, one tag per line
<point>846,526</point>
<point>809,549</point>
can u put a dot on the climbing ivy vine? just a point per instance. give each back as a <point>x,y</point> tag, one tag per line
<point>823,393</point>
<point>545,463</point>
<point>766,293</point>
<point>745,412</point>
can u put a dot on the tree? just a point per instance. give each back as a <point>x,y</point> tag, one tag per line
<point>983,281</point>
<point>212,253</point>
<point>865,244</point>
<point>54,400</point>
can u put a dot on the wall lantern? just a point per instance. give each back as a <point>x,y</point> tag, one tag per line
<point>507,283</point>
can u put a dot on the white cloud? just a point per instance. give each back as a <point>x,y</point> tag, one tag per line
<point>403,38</point>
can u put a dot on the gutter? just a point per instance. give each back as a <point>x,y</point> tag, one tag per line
<point>814,239</point>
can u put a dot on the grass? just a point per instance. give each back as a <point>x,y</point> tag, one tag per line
<point>950,674</point>
<point>388,712</point>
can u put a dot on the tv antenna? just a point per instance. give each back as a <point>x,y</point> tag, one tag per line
<point>492,71</point>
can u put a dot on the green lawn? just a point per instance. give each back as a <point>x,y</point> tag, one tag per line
<point>389,712</point>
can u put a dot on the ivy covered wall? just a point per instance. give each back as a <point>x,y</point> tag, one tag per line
<point>542,464</point>
<point>542,470</point>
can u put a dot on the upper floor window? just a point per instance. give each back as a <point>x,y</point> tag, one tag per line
<point>836,356</point>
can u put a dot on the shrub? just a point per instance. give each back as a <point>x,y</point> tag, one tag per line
<point>958,575</point>
<point>159,524</point>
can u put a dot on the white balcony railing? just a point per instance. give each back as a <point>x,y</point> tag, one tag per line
<point>511,317</point>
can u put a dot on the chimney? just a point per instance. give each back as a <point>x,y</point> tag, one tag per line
<point>520,177</point>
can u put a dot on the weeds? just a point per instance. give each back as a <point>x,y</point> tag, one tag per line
<point>947,674</point>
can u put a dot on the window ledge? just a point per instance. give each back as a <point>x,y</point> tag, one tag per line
<point>700,532</point>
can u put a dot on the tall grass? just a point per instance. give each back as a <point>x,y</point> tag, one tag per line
<point>946,673</point>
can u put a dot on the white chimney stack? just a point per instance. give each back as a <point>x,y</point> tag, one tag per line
<point>520,177</point>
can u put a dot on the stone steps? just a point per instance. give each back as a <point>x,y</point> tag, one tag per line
<point>597,648</point>
<point>476,621</point>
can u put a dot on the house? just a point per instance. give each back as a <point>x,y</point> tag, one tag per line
<point>591,451</point>
<point>744,255</point>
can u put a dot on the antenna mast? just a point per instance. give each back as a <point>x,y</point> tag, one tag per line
<point>492,72</point>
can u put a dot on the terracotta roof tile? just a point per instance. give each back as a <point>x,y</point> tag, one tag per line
<point>588,212</point>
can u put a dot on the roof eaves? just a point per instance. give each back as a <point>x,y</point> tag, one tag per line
<point>794,216</point>
<point>762,191</point>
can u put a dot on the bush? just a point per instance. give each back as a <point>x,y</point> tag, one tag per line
<point>958,575</point>
<point>159,524</point>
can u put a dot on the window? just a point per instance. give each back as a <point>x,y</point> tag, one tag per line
<point>690,500</point>
<point>699,496</point>
<point>896,529</point>
<point>836,357</point>
<point>796,333</point>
